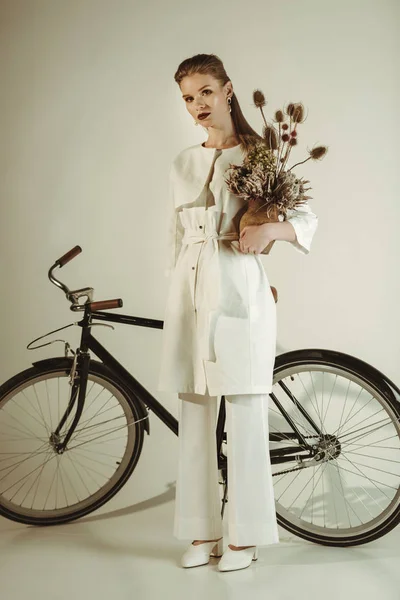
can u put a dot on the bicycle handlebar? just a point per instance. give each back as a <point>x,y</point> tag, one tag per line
<point>68,256</point>
<point>74,295</point>
<point>103,304</point>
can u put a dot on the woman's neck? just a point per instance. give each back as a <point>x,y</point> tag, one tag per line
<point>221,139</point>
<point>223,145</point>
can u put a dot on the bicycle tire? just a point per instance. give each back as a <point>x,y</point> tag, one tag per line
<point>100,375</point>
<point>382,389</point>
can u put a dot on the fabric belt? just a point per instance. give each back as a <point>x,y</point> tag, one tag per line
<point>196,238</point>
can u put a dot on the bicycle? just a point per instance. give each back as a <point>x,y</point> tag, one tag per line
<point>94,415</point>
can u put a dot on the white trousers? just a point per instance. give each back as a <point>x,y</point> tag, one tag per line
<point>251,505</point>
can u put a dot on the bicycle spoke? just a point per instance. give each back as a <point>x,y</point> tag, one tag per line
<point>377,445</point>
<point>73,466</point>
<point>84,451</point>
<point>356,432</point>
<point>344,404</point>
<point>34,470</point>
<point>40,410</point>
<point>80,431</point>
<point>391,460</point>
<point>330,398</point>
<point>350,431</point>
<point>49,457</point>
<point>333,495</point>
<point>20,406</point>
<point>48,405</point>
<point>29,456</point>
<point>355,414</point>
<point>24,430</point>
<point>347,504</point>
<point>102,435</point>
<point>365,490</point>
<point>289,484</point>
<point>317,468</point>
<point>370,466</point>
<point>89,473</point>
<point>338,431</point>
<point>316,410</point>
<point>314,486</point>
<point>373,481</point>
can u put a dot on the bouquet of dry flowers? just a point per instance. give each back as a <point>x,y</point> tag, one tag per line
<point>262,179</point>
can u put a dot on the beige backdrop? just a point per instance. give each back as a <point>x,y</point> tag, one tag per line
<point>90,120</point>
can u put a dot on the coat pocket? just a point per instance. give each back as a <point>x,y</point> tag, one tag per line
<point>231,368</point>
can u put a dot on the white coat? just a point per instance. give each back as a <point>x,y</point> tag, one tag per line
<point>219,334</point>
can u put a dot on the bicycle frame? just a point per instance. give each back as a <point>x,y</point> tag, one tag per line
<point>89,342</point>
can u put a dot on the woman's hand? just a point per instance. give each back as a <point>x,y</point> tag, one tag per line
<point>254,238</point>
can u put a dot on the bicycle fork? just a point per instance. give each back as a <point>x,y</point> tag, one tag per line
<point>78,381</point>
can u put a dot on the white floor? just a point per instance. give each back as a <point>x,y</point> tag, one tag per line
<point>129,552</point>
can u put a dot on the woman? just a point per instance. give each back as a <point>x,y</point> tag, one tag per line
<point>219,333</point>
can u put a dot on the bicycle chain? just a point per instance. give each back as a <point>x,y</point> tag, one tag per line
<point>288,471</point>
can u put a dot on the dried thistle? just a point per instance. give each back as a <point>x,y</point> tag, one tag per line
<point>290,109</point>
<point>259,102</point>
<point>259,98</point>
<point>271,137</point>
<point>315,154</point>
<point>298,113</point>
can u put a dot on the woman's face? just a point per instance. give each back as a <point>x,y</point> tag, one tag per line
<point>204,94</point>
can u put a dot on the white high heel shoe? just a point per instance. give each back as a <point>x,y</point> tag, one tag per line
<point>199,554</point>
<point>237,559</point>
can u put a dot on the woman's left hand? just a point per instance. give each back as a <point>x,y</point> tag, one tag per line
<point>254,238</point>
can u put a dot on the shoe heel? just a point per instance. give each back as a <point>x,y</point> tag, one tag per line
<point>218,549</point>
<point>255,555</point>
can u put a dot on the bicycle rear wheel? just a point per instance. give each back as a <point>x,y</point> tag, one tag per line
<point>42,487</point>
<point>349,493</point>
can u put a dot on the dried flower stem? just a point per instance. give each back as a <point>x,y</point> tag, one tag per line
<point>262,113</point>
<point>286,157</point>
<point>300,163</point>
<point>280,164</point>
<point>279,150</point>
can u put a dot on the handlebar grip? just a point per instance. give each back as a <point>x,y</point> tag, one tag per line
<point>103,304</point>
<point>69,256</point>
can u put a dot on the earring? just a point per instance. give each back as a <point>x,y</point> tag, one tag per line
<point>229,104</point>
<point>195,122</point>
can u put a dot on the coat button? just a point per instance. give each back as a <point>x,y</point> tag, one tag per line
<point>201,226</point>
<point>193,268</point>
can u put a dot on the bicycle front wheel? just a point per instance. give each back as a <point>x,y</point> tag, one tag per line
<point>349,492</point>
<point>40,486</point>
